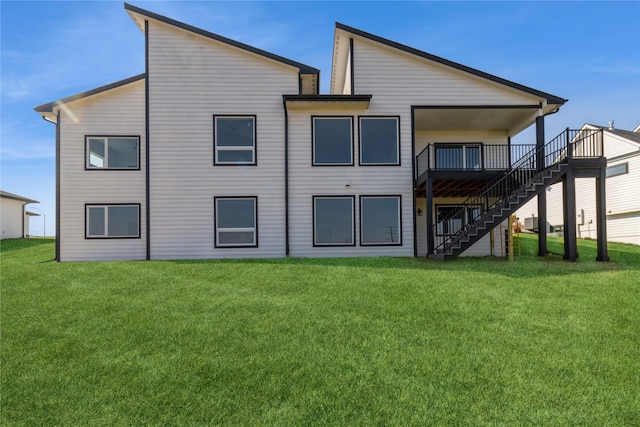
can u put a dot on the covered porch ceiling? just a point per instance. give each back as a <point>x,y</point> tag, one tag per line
<point>512,118</point>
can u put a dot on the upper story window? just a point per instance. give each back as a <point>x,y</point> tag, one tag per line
<point>112,221</point>
<point>332,141</point>
<point>112,152</point>
<point>379,141</point>
<point>234,140</point>
<point>458,156</point>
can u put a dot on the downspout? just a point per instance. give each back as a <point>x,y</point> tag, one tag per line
<point>24,213</point>
<point>58,237</point>
<point>413,182</point>
<point>286,177</point>
<point>146,141</point>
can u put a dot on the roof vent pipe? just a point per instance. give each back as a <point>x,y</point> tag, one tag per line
<point>610,124</point>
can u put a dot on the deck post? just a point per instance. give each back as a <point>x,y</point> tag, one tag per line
<point>429,214</point>
<point>542,197</point>
<point>570,238</point>
<point>601,216</point>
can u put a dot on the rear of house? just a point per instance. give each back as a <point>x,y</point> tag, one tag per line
<point>222,150</point>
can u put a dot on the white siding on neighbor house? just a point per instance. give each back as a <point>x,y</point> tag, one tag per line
<point>119,111</point>
<point>11,216</point>
<point>193,78</point>
<point>623,202</point>
<point>307,181</point>
<point>398,80</point>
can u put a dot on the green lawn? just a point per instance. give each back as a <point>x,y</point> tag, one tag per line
<point>298,342</point>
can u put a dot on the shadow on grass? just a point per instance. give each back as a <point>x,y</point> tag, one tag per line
<point>8,245</point>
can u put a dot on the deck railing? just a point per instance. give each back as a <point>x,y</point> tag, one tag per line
<point>570,144</point>
<point>469,157</point>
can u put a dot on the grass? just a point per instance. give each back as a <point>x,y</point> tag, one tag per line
<point>297,342</point>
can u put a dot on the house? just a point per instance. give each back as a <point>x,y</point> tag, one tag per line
<point>223,150</point>
<point>622,150</point>
<point>14,218</point>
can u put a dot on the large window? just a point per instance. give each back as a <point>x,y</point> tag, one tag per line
<point>234,140</point>
<point>456,156</point>
<point>380,220</point>
<point>236,221</point>
<point>333,221</point>
<point>112,152</point>
<point>451,219</point>
<point>379,141</point>
<point>112,221</point>
<point>332,141</point>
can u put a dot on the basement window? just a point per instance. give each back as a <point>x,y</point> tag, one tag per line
<point>380,220</point>
<point>333,221</point>
<point>236,222</point>
<point>118,221</point>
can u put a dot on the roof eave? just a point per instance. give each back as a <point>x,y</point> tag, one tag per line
<point>304,69</point>
<point>49,106</point>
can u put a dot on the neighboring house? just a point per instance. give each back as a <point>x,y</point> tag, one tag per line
<point>622,150</point>
<point>223,150</point>
<point>14,218</point>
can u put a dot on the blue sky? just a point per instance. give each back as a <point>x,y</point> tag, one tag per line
<point>588,52</point>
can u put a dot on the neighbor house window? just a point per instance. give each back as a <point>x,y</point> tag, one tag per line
<point>236,221</point>
<point>379,141</point>
<point>617,170</point>
<point>332,141</point>
<point>113,221</point>
<point>380,220</point>
<point>112,152</point>
<point>234,140</point>
<point>451,219</point>
<point>457,156</point>
<point>333,221</point>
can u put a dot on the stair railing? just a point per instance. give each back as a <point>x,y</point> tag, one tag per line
<point>467,216</point>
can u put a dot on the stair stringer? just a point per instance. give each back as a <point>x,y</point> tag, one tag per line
<point>493,217</point>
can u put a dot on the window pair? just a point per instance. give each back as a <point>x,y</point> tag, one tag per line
<point>379,139</point>
<point>334,221</point>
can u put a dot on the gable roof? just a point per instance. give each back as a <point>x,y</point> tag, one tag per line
<point>631,136</point>
<point>48,107</point>
<point>304,69</point>
<point>12,196</point>
<point>551,99</point>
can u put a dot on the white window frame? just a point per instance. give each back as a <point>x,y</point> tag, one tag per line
<point>217,148</point>
<point>363,119</point>
<point>464,146</point>
<point>399,225</point>
<point>106,140</point>
<point>253,229</point>
<point>106,207</point>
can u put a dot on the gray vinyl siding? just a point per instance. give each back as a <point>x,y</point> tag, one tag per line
<point>191,79</point>
<point>399,79</point>
<point>307,181</point>
<point>116,112</point>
